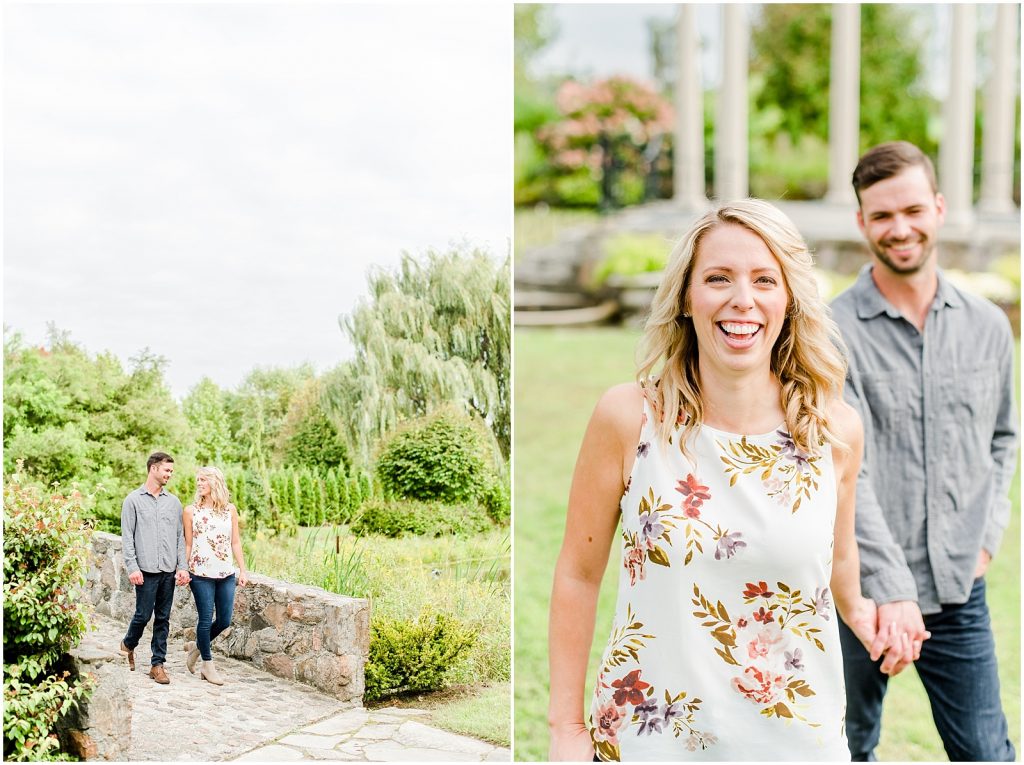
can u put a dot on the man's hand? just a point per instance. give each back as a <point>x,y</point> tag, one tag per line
<point>900,635</point>
<point>983,560</point>
<point>136,578</point>
<point>182,578</point>
<point>571,743</point>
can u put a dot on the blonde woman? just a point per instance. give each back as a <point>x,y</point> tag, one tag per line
<point>211,537</point>
<point>731,464</point>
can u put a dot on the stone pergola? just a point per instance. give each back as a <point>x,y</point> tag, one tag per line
<point>956,155</point>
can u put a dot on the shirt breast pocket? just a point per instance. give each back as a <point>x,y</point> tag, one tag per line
<point>972,391</point>
<point>886,396</point>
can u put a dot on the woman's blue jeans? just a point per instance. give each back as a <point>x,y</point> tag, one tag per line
<point>212,594</point>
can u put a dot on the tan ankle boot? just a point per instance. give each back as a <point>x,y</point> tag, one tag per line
<point>209,673</point>
<point>193,657</point>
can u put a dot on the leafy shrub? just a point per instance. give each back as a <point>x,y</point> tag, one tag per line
<point>410,656</point>
<point>395,518</point>
<point>444,456</point>
<point>45,552</point>
<point>632,254</point>
<point>497,502</point>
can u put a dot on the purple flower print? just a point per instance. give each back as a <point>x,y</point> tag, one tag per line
<point>794,659</point>
<point>729,544</point>
<point>822,603</point>
<point>650,527</point>
<point>643,449</point>
<point>649,720</point>
<point>789,451</point>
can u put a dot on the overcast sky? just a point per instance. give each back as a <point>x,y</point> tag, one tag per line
<point>213,181</point>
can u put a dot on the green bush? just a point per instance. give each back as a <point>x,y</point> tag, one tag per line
<point>497,502</point>
<point>396,518</point>
<point>411,656</point>
<point>444,456</point>
<point>45,554</point>
<point>632,254</point>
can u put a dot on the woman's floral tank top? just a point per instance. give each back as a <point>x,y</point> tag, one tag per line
<point>725,643</point>
<point>211,543</point>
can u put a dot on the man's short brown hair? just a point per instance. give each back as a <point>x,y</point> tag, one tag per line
<point>889,159</point>
<point>156,458</point>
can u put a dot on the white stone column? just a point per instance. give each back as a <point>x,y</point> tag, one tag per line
<point>731,129</point>
<point>844,103</point>
<point>688,150</point>
<point>956,152</point>
<point>997,130</point>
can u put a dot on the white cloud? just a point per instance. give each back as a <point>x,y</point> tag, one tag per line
<point>212,181</point>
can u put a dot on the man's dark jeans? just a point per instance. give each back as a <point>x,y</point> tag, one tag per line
<point>210,593</point>
<point>958,670</point>
<point>155,594</point>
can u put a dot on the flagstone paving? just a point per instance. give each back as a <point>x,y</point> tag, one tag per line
<point>256,716</point>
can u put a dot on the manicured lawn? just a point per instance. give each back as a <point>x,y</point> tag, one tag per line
<point>559,375</point>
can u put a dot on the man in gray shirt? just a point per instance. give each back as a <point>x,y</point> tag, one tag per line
<point>931,373</point>
<point>153,541</point>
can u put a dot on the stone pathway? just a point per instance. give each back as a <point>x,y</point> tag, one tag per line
<point>257,716</point>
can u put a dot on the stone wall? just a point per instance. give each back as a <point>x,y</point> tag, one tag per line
<point>293,631</point>
<point>100,728</point>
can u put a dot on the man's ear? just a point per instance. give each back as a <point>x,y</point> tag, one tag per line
<point>940,207</point>
<point>860,220</point>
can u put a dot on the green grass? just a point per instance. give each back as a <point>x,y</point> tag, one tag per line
<point>465,577</point>
<point>481,715</point>
<point>558,378</point>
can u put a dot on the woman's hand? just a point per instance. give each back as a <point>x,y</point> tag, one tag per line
<point>862,619</point>
<point>243,578</point>
<point>570,742</point>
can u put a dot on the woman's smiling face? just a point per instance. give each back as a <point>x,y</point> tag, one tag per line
<point>737,300</point>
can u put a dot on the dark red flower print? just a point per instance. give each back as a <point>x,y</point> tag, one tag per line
<point>759,590</point>
<point>695,494</point>
<point>760,615</point>
<point>629,689</point>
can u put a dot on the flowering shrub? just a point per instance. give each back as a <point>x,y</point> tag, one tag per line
<point>611,135</point>
<point>45,549</point>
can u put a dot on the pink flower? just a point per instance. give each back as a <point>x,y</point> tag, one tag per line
<point>634,563</point>
<point>609,719</point>
<point>764,641</point>
<point>760,686</point>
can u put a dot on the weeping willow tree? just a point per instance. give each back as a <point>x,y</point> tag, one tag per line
<point>436,330</point>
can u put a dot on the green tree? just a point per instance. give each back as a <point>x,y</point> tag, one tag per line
<point>208,419</point>
<point>70,415</point>
<point>791,46</point>
<point>433,331</point>
<point>309,437</point>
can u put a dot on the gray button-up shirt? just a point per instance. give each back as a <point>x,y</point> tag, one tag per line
<point>152,535</point>
<point>940,439</point>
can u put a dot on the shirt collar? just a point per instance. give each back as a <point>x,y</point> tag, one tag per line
<point>871,302</point>
<point>144,490</point>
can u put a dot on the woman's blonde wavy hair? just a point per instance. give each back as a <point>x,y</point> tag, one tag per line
<point>219,496</point>
<point>806,358</point>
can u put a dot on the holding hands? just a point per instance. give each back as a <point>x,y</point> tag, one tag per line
<point>182,578</point>
<point>894,630</point>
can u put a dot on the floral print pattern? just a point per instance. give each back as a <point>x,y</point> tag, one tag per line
<point>771,665</point>
<point>697,526</point>
<point>211,543</point>
<point>628,701</point>
<point>788,474</point>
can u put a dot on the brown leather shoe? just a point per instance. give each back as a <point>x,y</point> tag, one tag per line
<point>158,674</point>
<point>130,653</point>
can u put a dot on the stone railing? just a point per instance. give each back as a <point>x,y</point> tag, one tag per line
<point>293,631</point>
<point>100,727</point>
